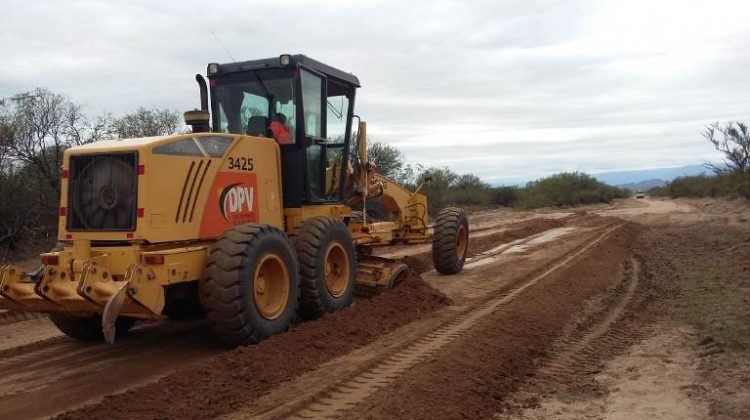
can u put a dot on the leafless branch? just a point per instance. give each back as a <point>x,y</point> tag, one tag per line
<point>733,141</point>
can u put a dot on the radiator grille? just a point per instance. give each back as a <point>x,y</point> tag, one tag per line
<point>102,192</point>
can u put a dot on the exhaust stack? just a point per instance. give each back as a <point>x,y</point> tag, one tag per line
<point>199,119</point>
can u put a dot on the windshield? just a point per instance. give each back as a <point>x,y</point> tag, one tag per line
<point>246,103</point>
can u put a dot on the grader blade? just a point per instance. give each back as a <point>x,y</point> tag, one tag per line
<point>375,274</point>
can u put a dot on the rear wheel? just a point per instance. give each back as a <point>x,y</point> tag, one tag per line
<point>328,265</point>
<point>450,240</point>
<point>88,327</point>
<point>251,287</point>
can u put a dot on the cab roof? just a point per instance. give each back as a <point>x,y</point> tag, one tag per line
<point>297,59</point>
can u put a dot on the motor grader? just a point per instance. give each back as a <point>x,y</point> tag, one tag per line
<point>231,220</point>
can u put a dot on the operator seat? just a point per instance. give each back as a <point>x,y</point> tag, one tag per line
<point>257,125</point>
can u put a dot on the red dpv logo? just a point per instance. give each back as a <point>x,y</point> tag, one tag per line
<point>236,199</point>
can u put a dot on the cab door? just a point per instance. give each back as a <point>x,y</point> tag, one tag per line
<point>313,94</point>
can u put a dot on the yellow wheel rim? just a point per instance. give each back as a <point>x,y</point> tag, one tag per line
<point>463,238</point>
<point>337,269</point>
<point>271,286</point>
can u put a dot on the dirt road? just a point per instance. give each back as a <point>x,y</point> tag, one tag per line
<point>545,300</point>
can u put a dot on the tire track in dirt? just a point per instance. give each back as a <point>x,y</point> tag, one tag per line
<point>580,350</point>
<point>342,396</point>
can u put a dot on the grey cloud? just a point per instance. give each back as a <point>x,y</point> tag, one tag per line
<point>504,89</point>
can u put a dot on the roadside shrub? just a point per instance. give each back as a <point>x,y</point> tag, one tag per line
<point>567,189</point>
<point>733,184</point>
<point>469,197</point>
<point>28,208</point>
<point>505,196</point>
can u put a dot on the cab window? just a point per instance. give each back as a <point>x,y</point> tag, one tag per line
<point>336,118</point>
<point>312,92</point>
<point>248,103</point>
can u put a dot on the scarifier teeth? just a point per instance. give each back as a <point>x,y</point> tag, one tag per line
<point>112,311</point>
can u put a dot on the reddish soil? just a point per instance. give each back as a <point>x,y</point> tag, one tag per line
<point>220,384</point>
<point>477,372</point>
<point>421,263</point>
<point>709,290</point>
<point>548,342</point>
<point>680,350</point>
<point>516,231</point>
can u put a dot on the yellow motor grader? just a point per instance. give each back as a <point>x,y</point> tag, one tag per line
<point>256,217</point>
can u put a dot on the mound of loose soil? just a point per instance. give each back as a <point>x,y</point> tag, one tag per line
<point>420,263</point>
<point>221,384</point>
<point>471,377</point>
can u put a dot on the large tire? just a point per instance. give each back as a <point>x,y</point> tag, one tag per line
<point>251,287</point>
<point>88,328</point>
<point>328,265</point>
<point>450,240</point>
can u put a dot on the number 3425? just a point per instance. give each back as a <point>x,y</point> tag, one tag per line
<point>241,163</point>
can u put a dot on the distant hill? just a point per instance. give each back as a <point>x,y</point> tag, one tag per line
<point>628,179</point>
<point>651,177</point>
<point>644,185</point>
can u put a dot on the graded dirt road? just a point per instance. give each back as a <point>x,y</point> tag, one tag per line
<point>545,300</point>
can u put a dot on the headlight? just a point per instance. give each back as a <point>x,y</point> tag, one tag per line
<point>285,59</point>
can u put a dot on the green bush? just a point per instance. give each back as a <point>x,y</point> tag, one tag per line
<point>448,188</point>
<point>28,207</point>
<point>505,196</point>
<point>564,189</point>
<point>567,189</point>
<point>469,196</point>
<point>734,184</point>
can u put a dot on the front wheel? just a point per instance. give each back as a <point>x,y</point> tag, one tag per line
<point>450,240</point>
<point>251,287</point>
<point>328,265</point>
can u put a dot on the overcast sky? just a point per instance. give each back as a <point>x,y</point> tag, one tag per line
<point>509,90</point>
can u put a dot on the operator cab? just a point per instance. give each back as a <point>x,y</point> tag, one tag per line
<point>307,106</point>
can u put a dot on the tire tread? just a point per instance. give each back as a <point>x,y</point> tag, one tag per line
<point>444,239</point>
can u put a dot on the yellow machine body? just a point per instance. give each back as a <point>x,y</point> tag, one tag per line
<point>187,195</point>
<point>180,185</point>
<point>139,218</point>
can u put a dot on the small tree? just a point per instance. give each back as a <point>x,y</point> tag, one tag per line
<point>387,159</point>
<point>733,141</point>
<point>146,123</point>
<point>37,126</point>
<point>437,190</point>
<point>389,162</point>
